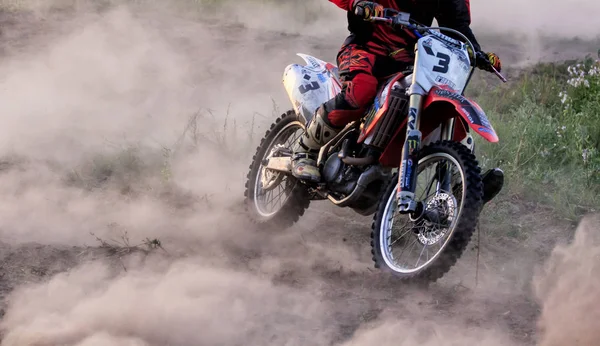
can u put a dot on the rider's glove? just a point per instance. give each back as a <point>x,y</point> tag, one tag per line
<point>368,9</point>
<point>485,61</point>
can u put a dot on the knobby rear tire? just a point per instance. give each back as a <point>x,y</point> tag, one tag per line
<point>298,201</point>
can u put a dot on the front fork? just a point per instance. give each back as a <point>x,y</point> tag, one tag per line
<point>407,180</point>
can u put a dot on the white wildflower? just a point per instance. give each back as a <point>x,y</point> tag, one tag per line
<point>563,97</point>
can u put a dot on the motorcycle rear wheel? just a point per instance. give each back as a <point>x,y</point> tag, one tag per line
<point>457,212</point>
<point>292,196</point>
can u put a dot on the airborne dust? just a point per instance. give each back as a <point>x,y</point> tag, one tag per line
<point>143,120</point>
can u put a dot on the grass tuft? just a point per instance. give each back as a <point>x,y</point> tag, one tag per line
<point>548,121</point>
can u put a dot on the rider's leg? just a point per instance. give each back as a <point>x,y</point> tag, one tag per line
<point>359,88</point>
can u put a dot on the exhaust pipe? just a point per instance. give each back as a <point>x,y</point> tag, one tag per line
<point>372,174</point>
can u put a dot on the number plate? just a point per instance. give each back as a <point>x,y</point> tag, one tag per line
<point>440,64</point>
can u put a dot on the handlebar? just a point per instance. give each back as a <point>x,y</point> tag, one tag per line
<point>402,20</point>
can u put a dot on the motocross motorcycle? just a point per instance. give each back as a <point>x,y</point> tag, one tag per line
<point>409,160</point>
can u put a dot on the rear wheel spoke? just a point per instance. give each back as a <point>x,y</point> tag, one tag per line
<point>268,203</point>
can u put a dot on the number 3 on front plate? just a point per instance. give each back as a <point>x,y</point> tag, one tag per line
<point>443,64</point>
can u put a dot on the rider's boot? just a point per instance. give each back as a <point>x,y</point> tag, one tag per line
<point>493,181</point>
<point>304,161</point>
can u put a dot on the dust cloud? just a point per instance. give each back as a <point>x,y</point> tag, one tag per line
<point>537,30</point>
<point>110,101</point>
<point>189,303</point>
<point>141,119</point>
<point>559,19</point>
<point>144,122</point>
<point>569,289</point>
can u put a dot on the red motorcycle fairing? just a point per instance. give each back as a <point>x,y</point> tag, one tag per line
<point>378,108</point>
<point>440,105</point>
<point>431,119</point>
<point>470,111</point>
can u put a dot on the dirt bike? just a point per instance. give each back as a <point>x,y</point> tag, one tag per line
<point>419,122</point>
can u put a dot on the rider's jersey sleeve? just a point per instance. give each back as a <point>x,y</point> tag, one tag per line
<point>456,14</point>
<point>344,4</point>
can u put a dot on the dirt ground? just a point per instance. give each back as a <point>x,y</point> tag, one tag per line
<point>311,284</point>
<point>352,289</point>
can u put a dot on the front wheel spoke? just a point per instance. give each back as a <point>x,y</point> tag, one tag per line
<point>440,226</point>
<point>411,229</point>
<point>428,188</point>
<point>434,229</point>
<point>430,195</point>
<point>415,241</point>
<point>420,255</point>
<point>400,237</point>
<point>392,218</point>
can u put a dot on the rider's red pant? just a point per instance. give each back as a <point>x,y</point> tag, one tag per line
<point>360,72</point>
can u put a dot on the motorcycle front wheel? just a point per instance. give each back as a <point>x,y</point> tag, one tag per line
<point>424,247</point>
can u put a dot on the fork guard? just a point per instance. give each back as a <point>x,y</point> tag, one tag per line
<point>469,110</point>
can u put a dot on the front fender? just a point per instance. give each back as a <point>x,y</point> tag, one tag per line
<point>468,110</point>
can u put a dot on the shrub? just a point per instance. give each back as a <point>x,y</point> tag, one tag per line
<point>548,120</point>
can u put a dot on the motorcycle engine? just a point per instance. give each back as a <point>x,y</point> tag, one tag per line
<point>339,176</point>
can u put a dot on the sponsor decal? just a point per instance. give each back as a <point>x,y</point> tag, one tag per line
<point>321,78</point>
<point>484,121</point>
<point>313,62</point>
<point>376,103</point>
<point>412,115</point>
<point>451,95</point>
<point>468,114</point>
<point>462,58</point>
<point>412,146</point>
<point>485,129</point>
<point>445,81</point>
<point>403,172</point>
<point>407,174</point>
<point>448,39</point>
<point>406,170</point>
<point>370,115</point>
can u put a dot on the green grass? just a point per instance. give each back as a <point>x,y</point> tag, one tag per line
<point>548,121</point>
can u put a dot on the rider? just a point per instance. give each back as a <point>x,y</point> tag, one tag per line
<point>372,53</point>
